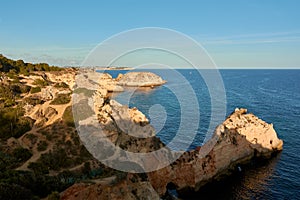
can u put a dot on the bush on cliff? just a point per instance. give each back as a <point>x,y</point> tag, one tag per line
<point>12,123</point>
<point>61,99</point>
<point>35,90</point>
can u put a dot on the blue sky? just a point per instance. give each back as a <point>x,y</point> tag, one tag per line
<point>237,34</point>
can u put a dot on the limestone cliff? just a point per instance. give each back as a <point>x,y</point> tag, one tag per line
<point>238,139</point>
<point>131,188</point>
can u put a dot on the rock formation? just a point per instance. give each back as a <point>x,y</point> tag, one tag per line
<point>130,189</point>
<point>238,139</point>
<point>140,79</point>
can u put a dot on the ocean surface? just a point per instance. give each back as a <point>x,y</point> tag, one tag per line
<point>272,95</point>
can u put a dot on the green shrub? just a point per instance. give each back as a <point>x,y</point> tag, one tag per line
<point>12,122</point>
<point>7,161</point>
<point>56,159</point>
<point>23,125</point>
<point>35,90</point>
<point>21,154</point>
<point>42,146</point>
<point>40,82</point>
<point>54,196</point>
<point>33,100</point>
<point>61,85</point>
<point>61,99</point>
<point>13,191</point>
<point>68,117</point>
<point>38,168</point>
<point>33,138</point>
<point>9,102</point>
<point>25,88</point>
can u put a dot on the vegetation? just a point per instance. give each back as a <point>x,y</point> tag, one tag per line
<point>62,85</point>
<point>35,90</point>
<point>59,143</point>
<point>14,159</point>
<point>61,99</point>
<point>86,92</point>
<point>42,146</point>
<point>13,191</point>
<point>33,100</point>
<point>9,93</point>
<point>20,67</point>
<point>40,82</point>
<point>30,185</point>
<point>68,117</point>
<point>54,196</point>
<point>12,122</point>
<point>22,154</point>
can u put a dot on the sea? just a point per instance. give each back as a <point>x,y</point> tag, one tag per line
<point>272,95</point>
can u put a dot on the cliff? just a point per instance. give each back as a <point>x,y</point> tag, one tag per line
<point>241,137</point>
<point>39,140</point>
<point>238,139</point>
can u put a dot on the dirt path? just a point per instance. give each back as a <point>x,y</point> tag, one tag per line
<point>36,112</point>
<point>104,181</point>
<point>36,154</point>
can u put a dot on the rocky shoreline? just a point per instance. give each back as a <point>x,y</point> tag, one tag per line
<point>241,137</point>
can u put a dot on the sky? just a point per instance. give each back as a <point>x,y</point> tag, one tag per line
<point>235,33</point>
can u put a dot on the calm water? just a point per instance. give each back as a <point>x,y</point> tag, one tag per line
<point>273,95</point>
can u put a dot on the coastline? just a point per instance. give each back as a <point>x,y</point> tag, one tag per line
<point>188,173</point>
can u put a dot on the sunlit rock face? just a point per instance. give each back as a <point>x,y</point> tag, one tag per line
<point>241,137</point>
<point>238,139</point>
<point>140,79</point>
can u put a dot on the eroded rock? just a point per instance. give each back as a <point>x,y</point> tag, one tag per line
<point>238,139</point>
<point>140,79</point>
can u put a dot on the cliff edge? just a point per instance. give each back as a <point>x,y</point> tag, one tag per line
<point>241,137</point>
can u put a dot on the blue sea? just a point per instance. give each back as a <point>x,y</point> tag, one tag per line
<point>272,95</point>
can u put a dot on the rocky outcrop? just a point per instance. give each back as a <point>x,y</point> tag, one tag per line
<point>241,137</point>
<point>50,112</point>
<point>130,189</point>
<point>109,83</point>
<point>238,139</point>
<point>140,79</point>
<point>65,76</point>
<point>46,94</point>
